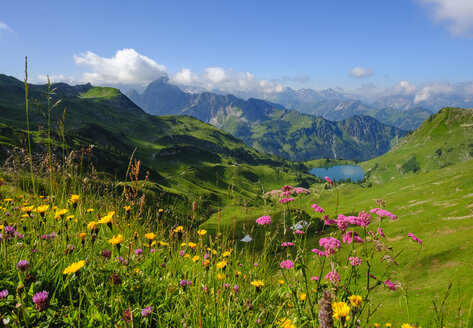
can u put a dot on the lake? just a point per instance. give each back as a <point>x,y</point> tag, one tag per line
<point>339,172</point>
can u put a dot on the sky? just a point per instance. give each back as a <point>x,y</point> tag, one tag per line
<point>258,44</point>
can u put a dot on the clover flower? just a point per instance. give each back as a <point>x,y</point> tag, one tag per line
<point>23,265</point>
<point>41,300</point>
<point>147,311</point>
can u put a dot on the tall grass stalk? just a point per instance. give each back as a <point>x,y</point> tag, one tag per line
<point>28,124</point>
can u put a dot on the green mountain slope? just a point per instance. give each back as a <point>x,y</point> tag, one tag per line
<point>184,154</point>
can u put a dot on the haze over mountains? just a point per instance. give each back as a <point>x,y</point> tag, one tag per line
<point>272,128</point>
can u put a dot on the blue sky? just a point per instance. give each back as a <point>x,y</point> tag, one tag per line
<point>241,44</point>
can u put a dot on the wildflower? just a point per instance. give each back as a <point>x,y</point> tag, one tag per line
<point>185,283</point>
<point>317,208</point>
<point>340,310</point>
<point>221,264</point>
<point>82,235</point>
<point>69,249</point>
<point>406,325</point>
<point>92,225</point>
<point>221,276</point>
<point>329,181</point>
<point>352,236</point>
<point>333,277</point>
<point>60,213</point>
<point>90,210</point>
<point>41,300</point>
<point>195,258</point>
<point>74,199</point>
<point>69,217</point>
<point>330,244</point>
<point>287,188</point>
<point>355,300</point>
<point>246,239</point>
<point>258,284</point>
<point>115,279</point>
<point>192,245</point>
<point>382,213</point>
<point>281,282</point>
<point>263,220</point>
<point>179,229</point>
<point>287,244</point>
<point>3,294</point>
<point>138,251</point>
<point>127,316</point>
<point>226,253</point>
<point>377,325</point>
<point>302,297</point>
<point>147,311</point>
<point>380,232</point>
<point>150,236</point>
<point>27,209</point>
<point>116,240</point>
<point>8,200</point>
<point>162,243</point>
<point>325,310</point>
<point>182,252</point>
<point>388,324</point>
<point>23,265</point>
<point>286,200</point>
<point>107,219</point>
<point>74,267</point>
<point>42,209</point>
<point>391,285</point>
<point>299,232</point>
<point>106,254</point>
<point>201,232</point>
<point>355,261</point>
<point>127,208</point>
<point>286,323</point>
<point>414,238</point>
<point>286,264</point>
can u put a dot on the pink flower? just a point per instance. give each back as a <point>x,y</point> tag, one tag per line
<point>342,222</point>
<point>329,181</point>
<point>391,285</point>
<point>299,190</point>
<point>414,238</point>
<point>286,264</point>
<point>299,232</point>
<point>380,232</point>
<point>317,208</point>
<point>286,188</point>
<point>330,244</point>
<point>315,278</point>
<point>263,220</point>
<point>383,213</point>
<point>333,277</point>
<point>351,236</point>
<point>355,261</point>
<point>318,252</point>
<point>327,220</point>
<point>286,200</point>
<point>287,244</point>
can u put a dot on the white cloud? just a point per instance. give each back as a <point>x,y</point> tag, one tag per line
<point>55,79</point>
<point>359,72</point>
<point>5,27</point>
<point>126,67</point>
<point>186,77</point>
<point>458,14</point>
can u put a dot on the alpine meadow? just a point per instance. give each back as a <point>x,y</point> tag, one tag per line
<point>293,165</point>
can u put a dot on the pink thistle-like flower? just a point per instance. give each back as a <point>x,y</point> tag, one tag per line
<point>147,311</point>
<point>299,232</point>
<point>286,188</point>
<point>333,277</point>
<point>327,220</point>
<point>287,264</point>
<point>381,233</point>
<point>391,285</point>
<point>351,236</point>
<point>23,265</point>
<point>315,278</point>
<point>287,244</point>
<point>414,238</point>
<point>41,300</point>
<point>382,213</point>
<point>317,208</point>
<point>330,244</point>
<point>355,261</point>
<point>318,252</point>
<point>263,220</point>
<point>329,181</point>
<point>286,200</point>
<point>138,251</point>
<point>3,294</point>
<point>342,222</point>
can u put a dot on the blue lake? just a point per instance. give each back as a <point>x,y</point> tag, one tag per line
<point>339,172</point>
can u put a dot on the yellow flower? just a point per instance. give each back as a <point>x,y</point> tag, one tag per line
<point>82,235</point>
<point>74,199</point>
<point>214,252</point>
<point>127,208</point>
<point>92,225</point>
<point>201,232</point>
<point>137,270</point>
<point>281,282</point>
<point>1,226</point>
<point>150,236</point>
<point>355,300</point>
<point>179,229</point>
<point>195,258</point>
<point>187,256</point>
<point>41,209</point>
<point>69,217</point>
<point>406,325</point>
<point>286,323</point>
<point>90,210</point>
<point>8,200</point>
<point>206,263</point>
<point>116,240</point>
<point>60,213</point>
<point>302,297</point>
<point>226,254</point>
<point>221,265</point>
<point>221,276</point>
<point>27,209</point>
<point>183,244</point>
<point>237,274</point>
<point>377,325</point>
<point>163,243</point>
<point>340,309</point>
<point>74,267</point>
<point>191,244</point>
<point>388,324</point>
<point>257,283</point>
<point>105,219</point>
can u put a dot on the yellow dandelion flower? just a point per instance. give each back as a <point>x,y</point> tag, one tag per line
<point>25,215</point>
<point>105,219</point>
<point>90,210</point>
<point>195,258</point>
<point>206,263</point>
<point>27,209</point>
<point>1,226</point>
<point>74,199</point>
<point>59,213</point>
<point>116,240</point>
<point>8,200</point>
<point>150,236</point>
<point>187,256</point>
<point>355,300</point>
<point>183,244</point>
<point>42,209</point>
<point>237,274</point>
<point>286,323</point>
<point>377,325</point>
<point>74,267</point>
<point>226,254</point>
<point>340,309</point>
<point>406,325</point>
<point>163,243</point>
<point>281,282</point>
<point>388,324</point>
<point>92,225</point>
<point>69,217</point>
<point>221,264</point>
<point>201,232</point>
<point>302,297</point>
<point>191,244</point>
<point>257,283</point>
<point>221,276</point>
<point>127,208</point>
<point>214,252</point>
<point>82,235</point>
<point>179,229</point>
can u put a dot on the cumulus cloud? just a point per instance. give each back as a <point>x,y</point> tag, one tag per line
<point>458,15</point>
<point>227,80</point>
<point>56,78</point>
<point>127,66</point>
<point>359,72</point>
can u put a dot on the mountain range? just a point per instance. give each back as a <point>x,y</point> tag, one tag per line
<point>270,127</point>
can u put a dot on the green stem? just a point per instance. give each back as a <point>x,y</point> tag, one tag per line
<point>28,123</point>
